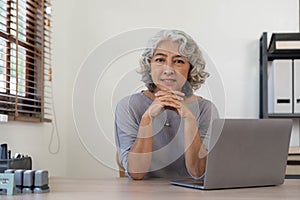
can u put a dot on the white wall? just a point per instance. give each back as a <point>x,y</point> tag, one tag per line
<point>227,30</point>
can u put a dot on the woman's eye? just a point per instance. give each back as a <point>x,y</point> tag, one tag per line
<point>159,60</point>
<point>179,61</point>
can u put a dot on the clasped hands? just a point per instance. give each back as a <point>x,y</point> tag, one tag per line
<point>166,98</point>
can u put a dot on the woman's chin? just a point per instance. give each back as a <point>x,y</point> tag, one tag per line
<point>171,86</point>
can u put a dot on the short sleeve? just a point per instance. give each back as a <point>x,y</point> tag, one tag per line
<point>125,131</point>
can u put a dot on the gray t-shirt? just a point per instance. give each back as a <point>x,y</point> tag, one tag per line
<point>168,142</point>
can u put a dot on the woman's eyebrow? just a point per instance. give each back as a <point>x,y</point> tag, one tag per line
<point>160,54</point>
<point>178,56</point>
<point>165,55</point>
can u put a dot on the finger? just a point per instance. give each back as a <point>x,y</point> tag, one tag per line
<point>170,102</point>
<point>172,108</point>
<point>171,92</point>
<point>165,88</point>
<point>168,105</point>
<point>178,93</point>
<point>156,108</point>
<point>167,94</point>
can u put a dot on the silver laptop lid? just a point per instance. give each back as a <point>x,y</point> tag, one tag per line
<point>248,152</point>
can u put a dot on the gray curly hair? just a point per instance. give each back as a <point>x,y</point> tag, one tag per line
<point>187,48</point>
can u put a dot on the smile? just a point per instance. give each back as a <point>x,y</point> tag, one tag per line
<point>168,80</point>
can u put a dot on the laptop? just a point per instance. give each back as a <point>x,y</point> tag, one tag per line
<point>245,153</point>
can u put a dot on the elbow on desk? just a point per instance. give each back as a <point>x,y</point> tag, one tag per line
<point>196,173</point>
<point>137,176</point>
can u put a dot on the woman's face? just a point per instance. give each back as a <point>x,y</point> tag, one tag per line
<point>168,67</point>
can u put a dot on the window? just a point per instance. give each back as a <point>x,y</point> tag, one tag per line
<point>25,58</point>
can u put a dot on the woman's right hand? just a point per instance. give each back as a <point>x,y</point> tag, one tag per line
<point>165,98</point>
<point>155,108</point>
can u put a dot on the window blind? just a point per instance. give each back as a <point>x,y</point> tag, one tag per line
<point>25,60</point>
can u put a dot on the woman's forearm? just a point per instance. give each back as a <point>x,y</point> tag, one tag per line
<point>195,150</point>
<point>140,155</point>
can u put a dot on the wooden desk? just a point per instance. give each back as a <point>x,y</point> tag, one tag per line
<point>122,188</point>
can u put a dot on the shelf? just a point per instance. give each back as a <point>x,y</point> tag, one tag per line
<point>294,151</point>
<point>284,55</point>
<point>270,52</point>
<point>285,43</point>
<point>283,115</point>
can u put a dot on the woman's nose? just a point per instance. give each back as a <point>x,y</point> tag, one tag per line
<point>169,70</point>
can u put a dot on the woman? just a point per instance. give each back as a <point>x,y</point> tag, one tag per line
<point>160,132</point>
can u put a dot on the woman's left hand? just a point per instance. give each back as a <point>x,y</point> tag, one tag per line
<point>174,101</point>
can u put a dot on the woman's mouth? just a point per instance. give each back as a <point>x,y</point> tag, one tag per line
<point>168,81</point>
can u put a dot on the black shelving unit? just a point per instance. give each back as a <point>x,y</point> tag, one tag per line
<point>264,58</point>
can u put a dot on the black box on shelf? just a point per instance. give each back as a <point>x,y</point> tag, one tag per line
<point>16,163</point>
<point>284,43</point>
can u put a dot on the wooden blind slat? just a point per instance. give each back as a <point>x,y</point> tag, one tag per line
<point>26,51</point>
<point>22,98</point>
